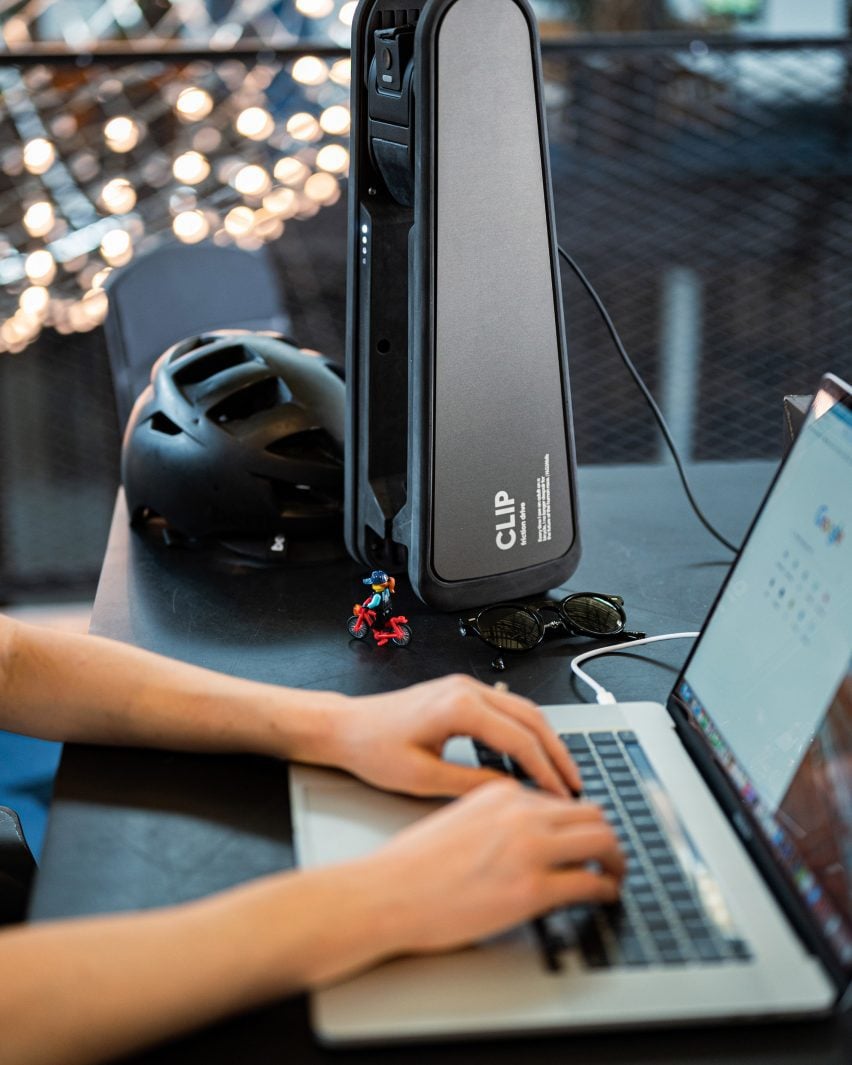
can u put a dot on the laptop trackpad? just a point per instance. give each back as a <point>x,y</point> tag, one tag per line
<point>346,819</point>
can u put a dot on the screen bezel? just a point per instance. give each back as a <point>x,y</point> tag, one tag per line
<point>702,753</point>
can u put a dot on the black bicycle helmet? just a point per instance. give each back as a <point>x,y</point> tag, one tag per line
<point>239,437</point>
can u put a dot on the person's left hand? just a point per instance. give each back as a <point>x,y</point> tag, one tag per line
<point>395,740</point>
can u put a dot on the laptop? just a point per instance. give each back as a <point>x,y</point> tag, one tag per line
<point>733,803</point>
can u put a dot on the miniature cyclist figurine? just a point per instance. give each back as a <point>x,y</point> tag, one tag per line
<point>379,605</point>
<point>383,588</point>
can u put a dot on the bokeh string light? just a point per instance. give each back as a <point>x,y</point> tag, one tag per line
<point>99,162</point>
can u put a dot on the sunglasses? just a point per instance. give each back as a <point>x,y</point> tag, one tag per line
<point>515,628</point>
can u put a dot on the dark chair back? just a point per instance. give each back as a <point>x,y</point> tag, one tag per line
<point>17,867</point>
<point>176,291</point>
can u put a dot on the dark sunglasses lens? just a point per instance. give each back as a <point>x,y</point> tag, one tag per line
<point>593,615</point>
<point>509,628</point>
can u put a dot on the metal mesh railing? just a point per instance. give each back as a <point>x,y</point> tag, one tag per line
<point>703,188</point>
<point>705,191</point>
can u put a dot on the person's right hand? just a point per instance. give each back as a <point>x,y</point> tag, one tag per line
<point>496,857</point>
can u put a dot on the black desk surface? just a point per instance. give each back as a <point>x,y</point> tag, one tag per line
<point>133,829</point>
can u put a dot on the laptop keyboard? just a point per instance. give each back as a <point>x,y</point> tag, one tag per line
<point>661,919</point>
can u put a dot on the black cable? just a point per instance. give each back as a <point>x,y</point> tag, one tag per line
<point>649,399</point>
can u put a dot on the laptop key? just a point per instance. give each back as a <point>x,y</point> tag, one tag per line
<point>688,910</point>
<point>740,949</point>
<point>584,761</point>
<point>632,952</point>
<point>603,739</point>
<point>644,896</point>
<point>707,949</point>
<point>592,946</point>
<point>489,758</point>
<point>617,919</point>
<point>696,926</point>
<point>644,822</point>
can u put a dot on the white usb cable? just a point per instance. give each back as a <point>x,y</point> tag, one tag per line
<point>601,694</point>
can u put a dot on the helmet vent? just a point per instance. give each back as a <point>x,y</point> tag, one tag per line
<point>161,424</point>
<point>253,399</point>
<point>290,497</point>
<point>312,445</point>
<point>208,366</point>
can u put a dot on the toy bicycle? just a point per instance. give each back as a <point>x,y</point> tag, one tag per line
<point>363,621</point>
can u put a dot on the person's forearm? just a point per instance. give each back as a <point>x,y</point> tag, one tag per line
<point>85,689</point>
<point>90,989</point>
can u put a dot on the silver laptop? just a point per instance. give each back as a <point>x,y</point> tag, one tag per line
<point>734,805</point>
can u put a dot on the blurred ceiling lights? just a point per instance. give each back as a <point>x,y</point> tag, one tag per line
<point>102,160</point>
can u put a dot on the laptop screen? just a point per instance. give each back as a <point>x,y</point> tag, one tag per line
<point>769,684</point>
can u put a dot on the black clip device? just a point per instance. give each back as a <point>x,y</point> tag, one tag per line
<point>460,454</point>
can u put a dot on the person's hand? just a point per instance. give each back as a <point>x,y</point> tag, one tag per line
<point>495,858</point>
<point>395,740</point>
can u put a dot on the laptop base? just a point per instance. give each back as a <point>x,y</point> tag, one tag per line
<point>501,987</point>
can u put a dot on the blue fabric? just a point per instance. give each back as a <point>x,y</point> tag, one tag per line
<point>27,771</point>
